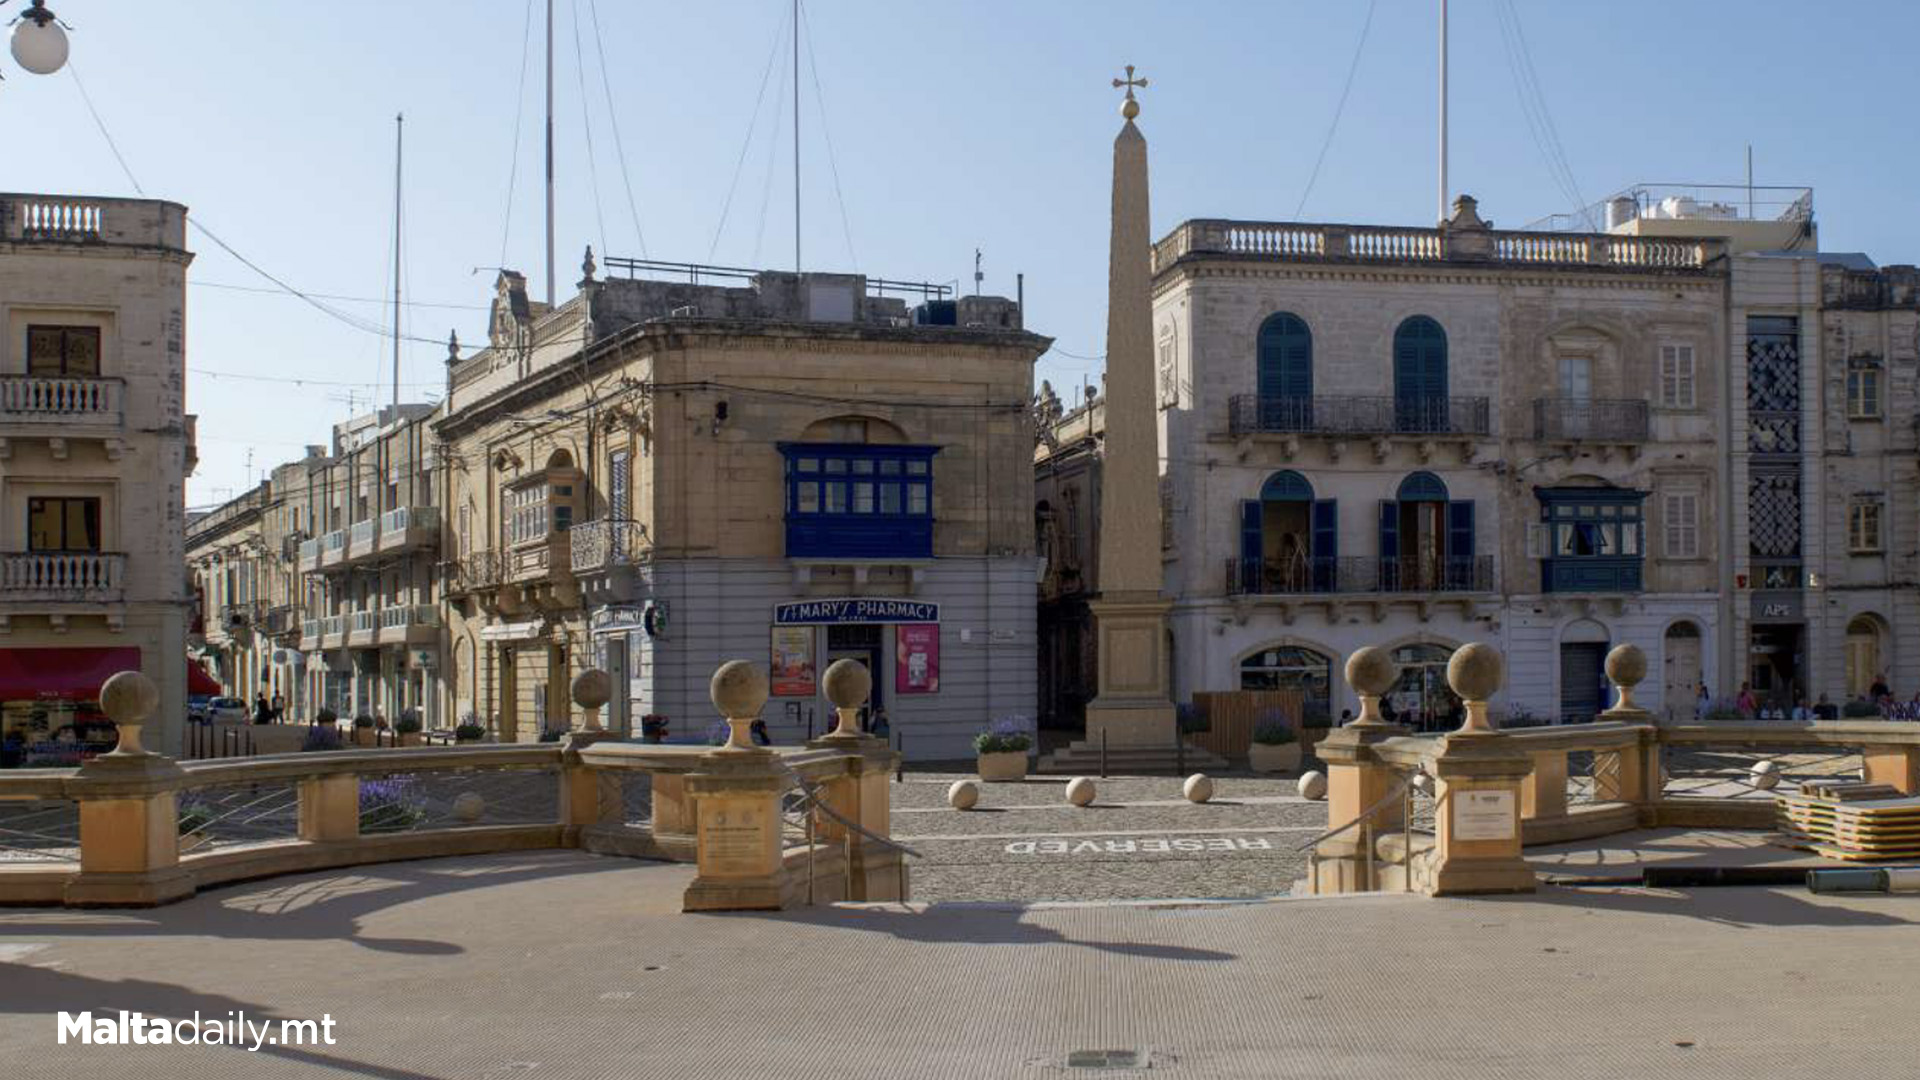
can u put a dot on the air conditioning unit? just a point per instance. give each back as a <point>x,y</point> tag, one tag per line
<point>688,312</point>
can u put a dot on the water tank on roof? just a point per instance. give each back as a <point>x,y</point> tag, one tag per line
<point>1620,210</point>
<point>937,313</point>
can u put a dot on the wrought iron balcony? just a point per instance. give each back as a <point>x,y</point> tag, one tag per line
<point>1358,415</point>
<point>1358,574</point>
<point>475,571</point>
<point>1564,419</point>
<point>50,399</point>
<point>601,545</point>
<point>63,576</point>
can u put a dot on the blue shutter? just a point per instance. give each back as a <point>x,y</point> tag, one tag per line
<point>1326,545</point>
<point>1389,544</point>
<point>1251,550</point>
<point>1459,567</point>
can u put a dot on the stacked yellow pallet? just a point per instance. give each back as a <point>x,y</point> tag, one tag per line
<point>1849,820</point>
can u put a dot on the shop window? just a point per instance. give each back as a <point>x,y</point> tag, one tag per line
<point>859,500</point>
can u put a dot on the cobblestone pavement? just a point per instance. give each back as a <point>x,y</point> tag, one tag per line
<point>569,966</point>
<point>1140,840</point>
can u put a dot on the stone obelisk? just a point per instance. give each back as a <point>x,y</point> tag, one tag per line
<point>1132,707</point>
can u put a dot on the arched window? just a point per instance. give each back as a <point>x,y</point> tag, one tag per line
<point>1286,357</point>
<point>1289,541</point>
<point>1422,487</point>
<point>1427,542</point>
<point>1420,377</point>
<point>1863,656</point>
<point>1292,667</point>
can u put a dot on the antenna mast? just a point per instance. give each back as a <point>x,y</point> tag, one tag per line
<point>399,149</point>
<point>550,264</point>
<point>1443,110</point>
<point>796,137</point>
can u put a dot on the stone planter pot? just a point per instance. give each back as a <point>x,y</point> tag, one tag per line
<point>365,736</point>
<point>1003,768</point>
<point>1273,759</point>
<point>413,738</point>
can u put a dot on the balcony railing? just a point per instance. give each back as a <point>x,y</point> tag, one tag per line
<point>1358,574</point>
<point>1289,240</point>
<point>309,551</point>
<point>362,534</point>
<point>400,616</point>
<point>402,518</point>
<point>599,545</point>
<point>1561,419</point>
<point>476,570</point>
<point>334,542</point>
<point>365,622</point>
<point>62,576</point>
<point>1359,415</point>
<point>58,400</point>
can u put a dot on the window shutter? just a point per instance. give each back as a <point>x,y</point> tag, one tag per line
<point>1683,368</point>
<point>1326,544</point>
<point>1536,540</point>
<point>1460,529</point>
<point>1250,541</point>
<point>1389,544</point>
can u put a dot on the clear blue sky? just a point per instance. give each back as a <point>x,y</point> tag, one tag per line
<point>953,126</point>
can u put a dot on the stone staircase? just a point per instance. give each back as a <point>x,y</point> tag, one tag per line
<point>1083,756</point>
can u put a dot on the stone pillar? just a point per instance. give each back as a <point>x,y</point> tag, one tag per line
<point>1544,792</point>
<point>863,796</point>
<point>1630,775</point>
<point>1479,774</point>
<point>1132,705</point>
<point>129,822</point>
<point>737,798</point>
<point>588,796</point>
<point>1357,782</point>
<point>1897,764</point>
<point>330,808</point>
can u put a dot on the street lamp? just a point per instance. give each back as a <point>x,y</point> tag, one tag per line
<point>39,40</point>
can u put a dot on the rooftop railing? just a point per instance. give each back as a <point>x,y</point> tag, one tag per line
<point>1285,240</point>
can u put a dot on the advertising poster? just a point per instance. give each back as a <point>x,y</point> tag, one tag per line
<point>791,673</point>
<point>917,659</point>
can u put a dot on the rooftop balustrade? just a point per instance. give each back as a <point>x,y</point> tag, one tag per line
<point>1288,240</point>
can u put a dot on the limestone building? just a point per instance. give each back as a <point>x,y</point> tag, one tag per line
<point>233,571</point>
<point>364,526</point>
<point>95,447</point>
<point>683,465</point>
<point>1421,437</point>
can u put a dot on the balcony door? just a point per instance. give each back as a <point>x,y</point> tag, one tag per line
<point>1420,376</point>
<point>64,351</point>
<point>1576,396</point>
<point>1426,538</point>
<point>1289,541</point>
<point>1285,376</point>
<point>63,524</point>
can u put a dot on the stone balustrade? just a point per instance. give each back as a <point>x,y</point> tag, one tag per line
<point>1282,240</point>
<point>50,399</point>
<point>97,577</point>
<point>64,219</point>
<point>133,828</point>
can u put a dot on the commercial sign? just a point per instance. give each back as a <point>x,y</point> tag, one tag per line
<point>792,662</point>
<point>1775,605</point>
<point>916,667</point>
<point>608,620</point>
<point>855,610</point>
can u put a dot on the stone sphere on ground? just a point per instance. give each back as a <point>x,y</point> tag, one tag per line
<point>1198,788</point>
<point>1371,671</point>
<point>468,806</point>
<point>964,794</point>
<point>129,697</point>
<point>1626,665</point>
<point>1765,775</point>
<point>1475,671</point>
<point>1312,785</point>
<point>1080,791</point>
<point>592,688</point>
<point>738,690</point>
<point>847,683</point>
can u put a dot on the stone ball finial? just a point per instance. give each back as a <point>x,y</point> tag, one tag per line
<point>129,697</point>
<point>1371,671</point>
<point>1475,671</point>
<point>847,683</point>
<point>1626,665</point>
<point>592,688</point>
<point>738,690</point>
<point>1129,108</point>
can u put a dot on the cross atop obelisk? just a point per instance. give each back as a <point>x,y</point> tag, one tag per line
<point>1130,108</point>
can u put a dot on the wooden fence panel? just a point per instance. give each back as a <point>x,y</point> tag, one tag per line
<point>1231,716</point>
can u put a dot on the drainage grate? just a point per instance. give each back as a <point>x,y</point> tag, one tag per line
<point>1108,1059</point>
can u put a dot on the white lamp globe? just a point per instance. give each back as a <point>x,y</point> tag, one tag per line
<point>40,47</point>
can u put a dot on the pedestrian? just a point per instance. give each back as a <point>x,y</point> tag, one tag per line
<point>279,708</point>
<point>1802,711</point>
<point>261,713</point>
<point>1879,690</point>
<point>882,728</point>
<point>1746,702</point>
<point>1825,710</point>
<point>1702,703</point>
<point>758,729</point>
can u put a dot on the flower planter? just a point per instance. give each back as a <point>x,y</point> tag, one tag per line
<point>1003,768</point>
<point>413,738</point>
<point>1266,758</point>
<point>365,736</point>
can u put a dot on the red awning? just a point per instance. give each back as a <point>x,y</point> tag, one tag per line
<point>199,682</point>
<point>69,674</point>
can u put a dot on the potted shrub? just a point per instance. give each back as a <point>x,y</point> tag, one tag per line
<point>322,738</point>
<point>469,732</point>
<point>193,820</point>
<point>1002,750</point>
<point>363,731</point>
<point>408,728</point>
<point>1275,747</point>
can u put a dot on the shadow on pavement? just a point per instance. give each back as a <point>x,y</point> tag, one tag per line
<point>1737,906</point>
<point>942,924</point>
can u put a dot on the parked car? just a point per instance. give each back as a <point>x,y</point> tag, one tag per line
<point>228,709</point>
<point>197,707</point>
